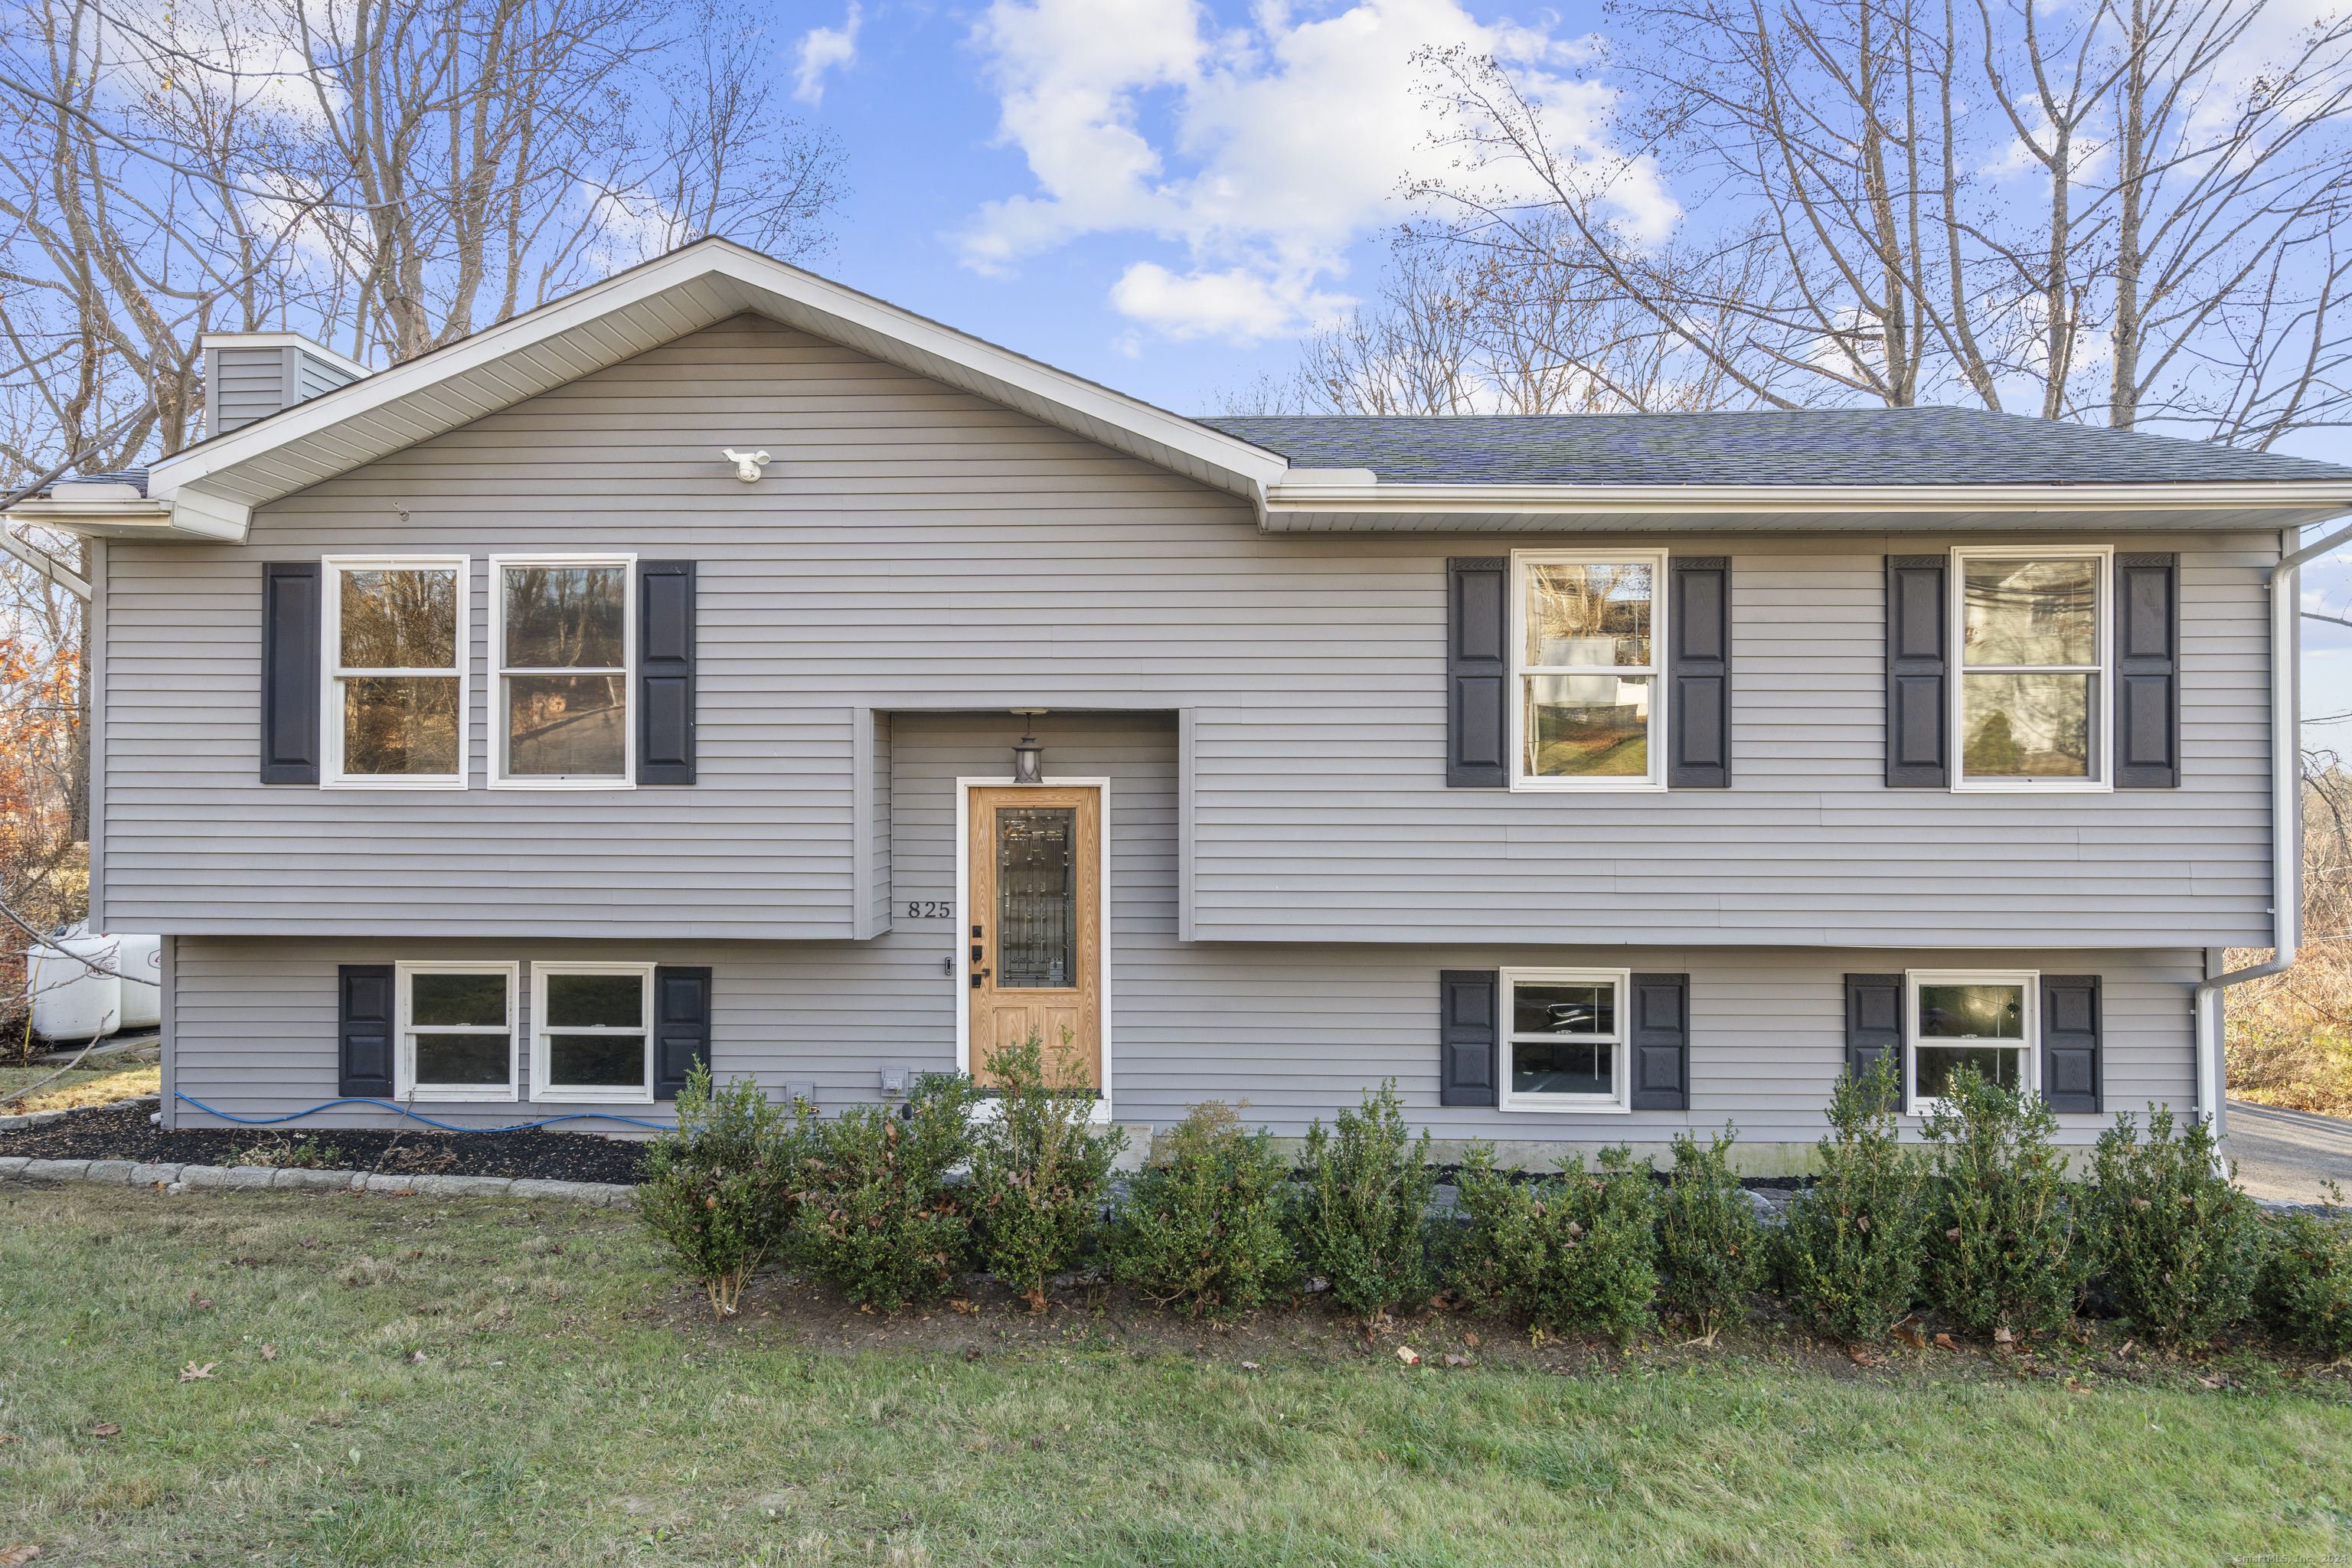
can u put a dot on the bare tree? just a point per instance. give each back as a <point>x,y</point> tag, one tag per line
<point>2119,211</point>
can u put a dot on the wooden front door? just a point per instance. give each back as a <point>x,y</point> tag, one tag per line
<point>1033,953</point>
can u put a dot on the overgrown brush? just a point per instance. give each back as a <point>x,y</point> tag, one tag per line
<point>2305,1290</point>
<point>1575,1251</point>
<point>1363,1222</point>
<point>2003,1249</point>
<point>1203,1226</point>
<point>720,1187</point>
<point>2176,1247</point>
<point>1040,1172</point>
<point>1711,1253</point>
<point>877,1214</point>
<point>1849,1256</point>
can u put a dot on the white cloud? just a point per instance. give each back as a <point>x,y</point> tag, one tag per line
<point>1266,150</point>
<point>823,49</point>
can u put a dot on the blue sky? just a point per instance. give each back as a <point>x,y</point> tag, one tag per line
<point>1163,194</point>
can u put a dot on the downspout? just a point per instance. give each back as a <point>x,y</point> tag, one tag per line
<point>2286,823</point>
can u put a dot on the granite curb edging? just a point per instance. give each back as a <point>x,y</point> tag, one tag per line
<point>199,1178</point>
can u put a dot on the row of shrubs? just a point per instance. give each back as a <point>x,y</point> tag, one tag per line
<point>1983,1224</point>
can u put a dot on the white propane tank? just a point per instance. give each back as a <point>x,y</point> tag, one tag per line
<point>72,1002</point>
<point>140,958</point>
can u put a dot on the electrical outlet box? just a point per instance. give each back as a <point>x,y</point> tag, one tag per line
<point>800,1091</point>
<point>894,1080</point>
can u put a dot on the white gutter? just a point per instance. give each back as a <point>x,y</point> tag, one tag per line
<point>2287,829</point>
<point>1314,491</point>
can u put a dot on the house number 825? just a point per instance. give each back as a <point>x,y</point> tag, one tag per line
<point>925,910</point>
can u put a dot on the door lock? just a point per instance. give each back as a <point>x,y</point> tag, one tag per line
<point>977,976</point>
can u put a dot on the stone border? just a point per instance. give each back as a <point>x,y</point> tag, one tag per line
<point>198,1178</point>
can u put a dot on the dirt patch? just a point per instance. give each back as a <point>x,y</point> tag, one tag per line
<point>123,1133</point>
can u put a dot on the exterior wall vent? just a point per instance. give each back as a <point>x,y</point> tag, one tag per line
<point>251,375</point>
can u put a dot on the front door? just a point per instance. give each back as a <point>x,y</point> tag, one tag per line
<point>1034,870</point>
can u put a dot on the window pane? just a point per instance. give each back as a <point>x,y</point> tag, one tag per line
<point>2025,726</point>
<point>1036,896</point>
<point>596,1061</point>
<point>565,617</point>
<point>462,1060</point>
<point>595,1001</point>
<point>458,1000</point>
<point>400,620</point>
<point>1562,1067</point>
<point>1972,1012</point>
<point>1587,726</point>
<point>1996,1064</point>
<point>1562,1008</point>
<point>2031,612</point>
<point>400,724</point>
<point>1587,613</point>
<point>573,724</point>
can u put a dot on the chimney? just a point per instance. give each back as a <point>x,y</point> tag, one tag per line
<point>250,376</point>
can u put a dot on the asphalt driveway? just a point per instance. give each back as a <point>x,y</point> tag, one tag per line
<point>2287,1155</point>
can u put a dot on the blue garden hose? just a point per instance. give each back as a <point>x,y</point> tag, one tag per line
<point>387,1105</point>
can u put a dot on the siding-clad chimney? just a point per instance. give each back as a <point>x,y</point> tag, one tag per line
<point>249,375</point>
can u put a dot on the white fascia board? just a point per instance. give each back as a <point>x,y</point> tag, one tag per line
<point>1377,499</point>
<point>194,517</point>
<point>311,346</point>
<point>316,439</point>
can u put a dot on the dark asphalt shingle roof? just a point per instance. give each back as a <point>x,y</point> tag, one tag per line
<point>1811,447</point>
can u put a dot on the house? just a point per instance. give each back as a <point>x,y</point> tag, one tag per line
<point>720,662</point>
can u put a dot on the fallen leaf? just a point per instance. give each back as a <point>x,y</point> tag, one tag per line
<point>17,1556</point>
<point>961,1305</point>
<point>1407,1354</point>
<point>972,1355</point>
<point>1458,1361</point>
<point>1860,1357</point>
<point>416,1358</point>
<point>2128,1347</point>
<point>1252,1366</point>
<point>269,1353</point>
<point>1908,1330</point>
<point>2076,1385</point>
<point>1470,1339</point>
<point>192,1373</point>
<point>105,1430</point>
<point>1944,1343</point>
<point>10,1438</point>
<point>2211,1382</point>
<point>2003,1337</point>
<point>199,1302</point>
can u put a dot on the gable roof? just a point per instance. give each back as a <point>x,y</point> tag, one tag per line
<point>214,486</point>
<point>1810,447</point>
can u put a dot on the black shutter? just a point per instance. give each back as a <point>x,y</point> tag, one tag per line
<point>681,1026</point>
<point>364,1026</point>
<point>1478,674</point>
<point>1468,1036</point>
<point>1699,617</point>
<point>1660,1042</point>
<point>1917,694</point>
<point>289,672</point>
<point>665,672</point>
<point>1874,1024</point>
<point>2070,1042</point>
<point>2147,672</point>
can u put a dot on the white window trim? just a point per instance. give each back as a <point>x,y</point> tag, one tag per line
<point>2102,727</point>
<point>404,1084</point>
<point>330,705</point>
<point>1618,1103</point>
<point>2029,1075</point>
<point>542,1084</point>
<point>495,728</point>
<point>1655,669</point>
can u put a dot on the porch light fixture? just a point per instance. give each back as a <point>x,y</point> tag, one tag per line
<point>1028,752</point>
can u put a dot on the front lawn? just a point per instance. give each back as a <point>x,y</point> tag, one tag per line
<point>398,1380</point>
<point>82,1086</point>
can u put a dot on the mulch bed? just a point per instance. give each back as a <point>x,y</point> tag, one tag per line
<point>123,1133</point>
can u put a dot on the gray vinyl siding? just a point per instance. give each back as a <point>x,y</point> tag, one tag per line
<point>314,377</point>
<point>1297,1030</point>
<point>243,384</point>
<point>915,548</point>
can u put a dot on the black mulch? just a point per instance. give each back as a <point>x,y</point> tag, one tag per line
<point>123,1133</point>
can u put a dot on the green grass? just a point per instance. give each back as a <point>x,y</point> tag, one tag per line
<point>563,1412</point>
<point>83,1086</point>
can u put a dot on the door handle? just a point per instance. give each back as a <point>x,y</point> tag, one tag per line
<point>977,976</point>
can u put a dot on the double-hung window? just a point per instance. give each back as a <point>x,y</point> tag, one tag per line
<point>565,648</point>
<point>1588,629</point>
<point>592,1031</point>
<point>2033,668</point>
<point>1565,1048</point>
<point>395,672</point>
<point>457,1030</point>
<point>1984,1020</point>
